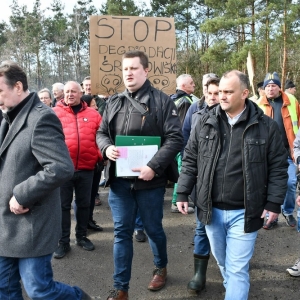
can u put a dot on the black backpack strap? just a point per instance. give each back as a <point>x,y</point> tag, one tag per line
<point>144,113</point>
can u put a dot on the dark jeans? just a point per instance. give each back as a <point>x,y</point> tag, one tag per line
<point>81,182</point>
<point>138,222</point>
<point>124,203</point>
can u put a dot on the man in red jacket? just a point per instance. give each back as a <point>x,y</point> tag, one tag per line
<point>80,124</point>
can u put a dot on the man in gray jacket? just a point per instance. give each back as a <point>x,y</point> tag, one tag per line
<point>34,162</point>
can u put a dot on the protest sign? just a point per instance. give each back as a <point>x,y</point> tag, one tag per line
<point>112,36</point>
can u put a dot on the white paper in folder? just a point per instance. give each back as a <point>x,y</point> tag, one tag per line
<point>133,157</point>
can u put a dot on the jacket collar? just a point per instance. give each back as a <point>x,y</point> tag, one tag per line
<point>180,94</point>
<point>65,106</point>
<point>142,95</point>
<point>286,101</point>
<point>251,108</point>
<point>19,121</point>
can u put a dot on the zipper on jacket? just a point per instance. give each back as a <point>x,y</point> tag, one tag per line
<point>231,127</point>
<point>243,168</point>
<point>211,182</point>
<point>128,112</point>
<point>78,143</point>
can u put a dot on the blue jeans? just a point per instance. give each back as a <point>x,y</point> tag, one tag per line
<point>201,241</point>
<point>138,222</point>
<point>37,277</point>
<point>124,203</point>
<point>232,249</point>
<point>290,197</point>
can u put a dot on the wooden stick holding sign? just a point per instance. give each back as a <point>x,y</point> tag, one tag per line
<point>250,70</point>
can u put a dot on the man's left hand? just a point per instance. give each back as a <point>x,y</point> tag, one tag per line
<point>272,216</point>
<point>146,173</point>
<point>16,208</point>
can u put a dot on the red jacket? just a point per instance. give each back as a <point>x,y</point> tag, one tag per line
<point>80,134</point>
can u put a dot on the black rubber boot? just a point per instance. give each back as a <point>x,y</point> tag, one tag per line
<point>197,283</point>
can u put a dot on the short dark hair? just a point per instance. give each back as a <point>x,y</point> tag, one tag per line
<point>13,73</point>
<point>87,98</point>
<point>136,53</point>
<point>244,79</point>
<point>214,81</point>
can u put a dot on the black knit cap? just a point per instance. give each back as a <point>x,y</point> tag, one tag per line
<point>288,84</point>
<point>260,85</point>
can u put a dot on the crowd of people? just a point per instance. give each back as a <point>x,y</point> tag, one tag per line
<point>220,143</point>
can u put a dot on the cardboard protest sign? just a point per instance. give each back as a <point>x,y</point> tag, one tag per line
<point>111,37</point>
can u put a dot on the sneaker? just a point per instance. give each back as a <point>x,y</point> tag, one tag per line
<point>140,236</point>
<point>62,250</point>
<point>295,269</point>
<point>289,219</point>
<point>174,209</point>
<point>85,243</point>
<point>92,224</point>
<point>102,183</point>
<point>271,225</point>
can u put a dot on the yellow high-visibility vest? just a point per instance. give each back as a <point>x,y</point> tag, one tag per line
<point>292,111</point>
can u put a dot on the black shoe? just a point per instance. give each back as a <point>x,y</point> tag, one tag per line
<point>289,219</point>
<point>62,250</point>
<point>85,296</point>
<point>140,236</point>
<point>85,243</point>
<point>93,225</point>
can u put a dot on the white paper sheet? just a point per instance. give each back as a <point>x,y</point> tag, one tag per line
<point>133,157</point>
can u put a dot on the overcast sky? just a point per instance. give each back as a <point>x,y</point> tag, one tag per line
<point>5,10</point>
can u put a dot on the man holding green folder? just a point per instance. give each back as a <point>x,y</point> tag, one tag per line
<point>123,116</point>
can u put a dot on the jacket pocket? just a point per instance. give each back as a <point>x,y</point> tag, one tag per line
<point>256,149</point>
<point>206,143</point>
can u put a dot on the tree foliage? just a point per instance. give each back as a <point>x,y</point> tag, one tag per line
<point>212,36</point>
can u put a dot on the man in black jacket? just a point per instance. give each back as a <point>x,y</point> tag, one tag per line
<point>236,157</point>
<point>146,190</point>
<point>182,99</point>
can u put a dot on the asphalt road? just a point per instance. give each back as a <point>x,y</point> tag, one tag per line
<point>275,250</point>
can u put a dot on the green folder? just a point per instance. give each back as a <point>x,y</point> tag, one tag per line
<point>128,140</point>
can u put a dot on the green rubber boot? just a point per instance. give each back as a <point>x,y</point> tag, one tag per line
<point>197,283</point>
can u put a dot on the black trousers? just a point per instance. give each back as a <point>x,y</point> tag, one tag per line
<point>81,183</point>
<point>95,188</point>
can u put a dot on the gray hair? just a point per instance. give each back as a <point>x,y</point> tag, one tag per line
<point>77,83</point>
<point>58,85</point>
<point>45,90</point>
<point>181,79</point>
<point>208,76</point>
